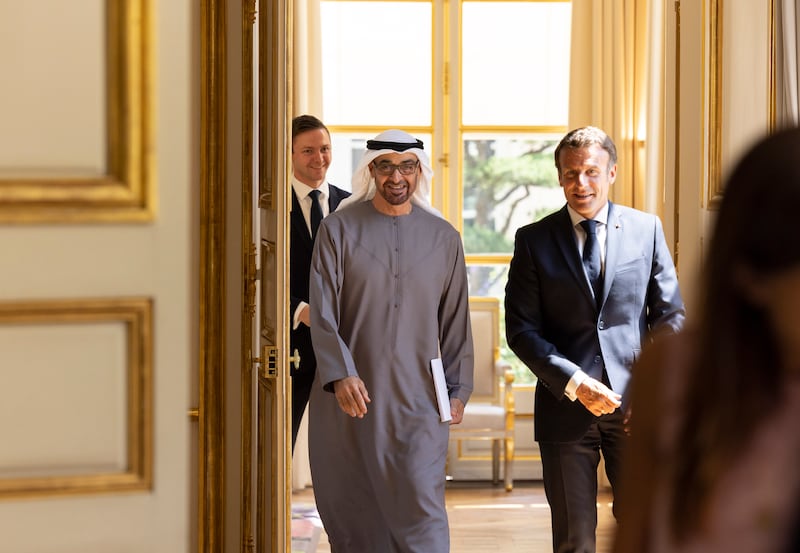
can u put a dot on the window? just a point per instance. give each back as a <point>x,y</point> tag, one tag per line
<point>483,83</point>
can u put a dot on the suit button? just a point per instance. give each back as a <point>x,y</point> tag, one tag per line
<point>596,359</point>
<point>601,324</point>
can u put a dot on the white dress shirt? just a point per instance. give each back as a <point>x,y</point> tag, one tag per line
<point>302,192</point>
<point>602,232</point>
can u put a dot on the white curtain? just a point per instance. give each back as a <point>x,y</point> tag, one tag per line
<point>307,59</point>
<point>655,124</point>
<point>609,85</point>
<point>788,101</point>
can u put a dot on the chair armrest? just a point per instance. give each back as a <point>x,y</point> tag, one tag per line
<point>503,368</point>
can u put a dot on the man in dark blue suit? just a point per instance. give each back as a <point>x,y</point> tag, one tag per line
<point>587,286</point>
<point>311,157</point>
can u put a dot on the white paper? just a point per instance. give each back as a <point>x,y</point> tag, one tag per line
<point>440,385</point>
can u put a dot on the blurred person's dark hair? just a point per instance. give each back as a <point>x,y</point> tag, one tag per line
<point>736,381</point>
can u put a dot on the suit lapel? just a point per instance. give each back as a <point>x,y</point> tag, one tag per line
<point>298,222</point>
<point>614,235</point>
<point>335,196</point>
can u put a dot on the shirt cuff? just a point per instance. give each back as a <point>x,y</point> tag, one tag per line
<point>296,319</point>
<point>572,386</point>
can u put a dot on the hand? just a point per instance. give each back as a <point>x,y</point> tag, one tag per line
<point>597,397</point>
<point>351,393</point>
<point>627,421</point>
<point>456,410</point>
<point>305,316</point>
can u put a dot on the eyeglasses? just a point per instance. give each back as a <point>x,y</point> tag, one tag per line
<point>385,168</point>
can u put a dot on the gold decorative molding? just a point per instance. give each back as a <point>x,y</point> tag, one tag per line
<point>274,100</point>
<point>715,184</point>
<point>250,278</point>
<point>126,191</point>
<point>269,264</point>
<point>273,124</point>
<point>213,286</point>
<point>676,167</point>
<point>726,140</point>
<point>136,315</point>
<point>249,16</point>
<point>772,97</point>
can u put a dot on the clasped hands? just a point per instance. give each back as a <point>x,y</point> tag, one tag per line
<point>352,397</point>
<point>598,398</point>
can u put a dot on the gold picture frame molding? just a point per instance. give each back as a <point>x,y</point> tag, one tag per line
<point>126,192</point>
<point>716,74</point>
<point>137,315</point>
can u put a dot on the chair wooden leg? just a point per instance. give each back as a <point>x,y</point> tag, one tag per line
<point>495,461</point>
<point>508,470</point>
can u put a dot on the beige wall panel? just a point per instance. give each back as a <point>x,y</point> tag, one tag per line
<point>745,77</point>
<point>53,97</point>
<point>66,413</point>
<point>688,118</point>
<point>722,103</point>
<point>155,259</point>
<point>77,105</point>
<point>103,261</point>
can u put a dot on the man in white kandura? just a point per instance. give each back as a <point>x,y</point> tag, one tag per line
<point>388,292</point>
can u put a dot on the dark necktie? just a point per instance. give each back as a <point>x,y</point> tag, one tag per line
<point>591,258</point>
<point>316,212</point>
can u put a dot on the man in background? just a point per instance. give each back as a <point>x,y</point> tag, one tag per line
<point>312,199</point>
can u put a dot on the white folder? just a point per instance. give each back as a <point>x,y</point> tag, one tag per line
<point>440,385</point>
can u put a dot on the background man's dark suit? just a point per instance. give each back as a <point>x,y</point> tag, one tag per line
<point>300,248</point>
<point>553,325</point>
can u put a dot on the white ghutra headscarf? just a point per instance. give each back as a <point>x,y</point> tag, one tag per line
<point>390,142</point>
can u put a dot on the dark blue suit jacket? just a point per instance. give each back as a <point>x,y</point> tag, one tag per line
<point>300,248</point>
<point>552,321</point>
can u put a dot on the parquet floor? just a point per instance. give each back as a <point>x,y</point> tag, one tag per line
<point>486,519</point>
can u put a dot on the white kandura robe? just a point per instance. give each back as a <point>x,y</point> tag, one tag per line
<point>386,292</point>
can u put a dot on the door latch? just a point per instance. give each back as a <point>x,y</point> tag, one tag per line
<point>268,362</point>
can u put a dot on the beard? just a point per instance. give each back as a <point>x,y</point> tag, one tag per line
<point>395,194</point>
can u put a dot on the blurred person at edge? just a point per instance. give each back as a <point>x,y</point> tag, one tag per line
<point>714,458</point>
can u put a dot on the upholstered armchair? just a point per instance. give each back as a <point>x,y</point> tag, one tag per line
<point>489,414</point>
